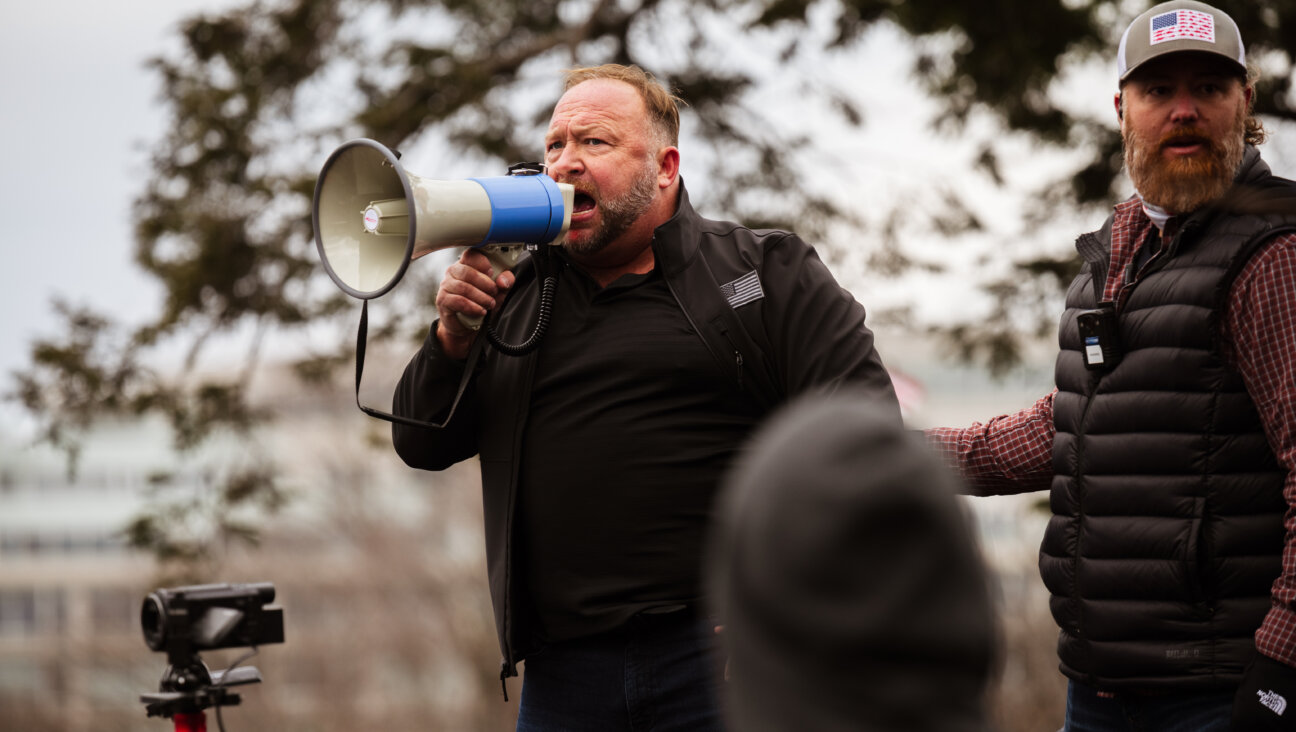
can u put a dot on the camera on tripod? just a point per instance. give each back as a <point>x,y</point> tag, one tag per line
<point>182,621</point>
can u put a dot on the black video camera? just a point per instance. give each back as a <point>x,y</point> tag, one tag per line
<point>184,620</point>
<point>203,617</point>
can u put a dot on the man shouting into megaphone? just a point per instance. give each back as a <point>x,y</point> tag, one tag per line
<point>673,336</point>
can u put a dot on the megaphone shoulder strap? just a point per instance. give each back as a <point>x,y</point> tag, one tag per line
<point>362,337</point>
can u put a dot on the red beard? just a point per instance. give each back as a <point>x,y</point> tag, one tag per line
<point>1182,184</point>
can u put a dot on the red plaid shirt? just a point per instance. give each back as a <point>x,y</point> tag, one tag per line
<point>1013,453</point>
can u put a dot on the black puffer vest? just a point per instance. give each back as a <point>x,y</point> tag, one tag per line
<point>1167,501</point>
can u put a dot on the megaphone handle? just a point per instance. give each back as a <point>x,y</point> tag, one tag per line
<point>362,336</point>
<point>471,322</point>
<point>503,258</point>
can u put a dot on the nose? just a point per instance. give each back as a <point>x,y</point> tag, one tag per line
<point>1184,108</point>
<point>567,161</point>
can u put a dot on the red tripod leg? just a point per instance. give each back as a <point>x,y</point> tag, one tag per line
<point>190,721</point>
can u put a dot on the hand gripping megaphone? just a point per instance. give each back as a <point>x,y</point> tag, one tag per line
<point>372,218</point>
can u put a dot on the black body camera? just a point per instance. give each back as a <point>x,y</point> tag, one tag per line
<point>1099,337</point>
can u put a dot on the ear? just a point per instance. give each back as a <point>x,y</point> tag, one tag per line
<point>668,162</point>
<point>1120,116</point>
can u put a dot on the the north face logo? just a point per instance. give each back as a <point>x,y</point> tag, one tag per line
<point>1273,700</point>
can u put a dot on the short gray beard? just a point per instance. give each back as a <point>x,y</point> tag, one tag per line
<point>1182,187</point>
<point>620,213</point>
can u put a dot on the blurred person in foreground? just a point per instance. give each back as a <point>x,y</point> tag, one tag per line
<point>1170,438</point>
<point>601,452</point>
<point>850,582</point>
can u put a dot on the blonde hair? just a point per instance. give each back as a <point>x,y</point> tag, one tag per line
<point>662,105</point>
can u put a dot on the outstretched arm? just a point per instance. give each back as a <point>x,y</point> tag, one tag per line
<point>1009,454</point>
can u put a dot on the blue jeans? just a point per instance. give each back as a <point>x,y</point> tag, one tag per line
<point>1193,711</point>
<point>660,672</point>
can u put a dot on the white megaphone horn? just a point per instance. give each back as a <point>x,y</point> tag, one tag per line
<point>372,218</point>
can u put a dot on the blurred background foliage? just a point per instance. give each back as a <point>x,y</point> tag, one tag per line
<point>260,94</point>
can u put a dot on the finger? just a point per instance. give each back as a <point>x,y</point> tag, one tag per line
<point>457,297</point>
<point>476,259</point>
<point>506,279</point>
<point>466,274</point>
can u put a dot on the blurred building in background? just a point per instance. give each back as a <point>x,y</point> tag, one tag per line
<point>380,570</point>
<point>68,585</point>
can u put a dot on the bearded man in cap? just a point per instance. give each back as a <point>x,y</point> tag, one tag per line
<point>1170,441</point>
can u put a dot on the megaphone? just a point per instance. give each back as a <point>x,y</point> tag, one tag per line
<point>372,218</point>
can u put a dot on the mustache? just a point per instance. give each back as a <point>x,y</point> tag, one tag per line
<point>1186,135</point>
<point>580,186</point>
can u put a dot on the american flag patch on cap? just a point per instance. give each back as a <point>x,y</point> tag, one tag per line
<point>1178,24</point>
<point>743,290</point>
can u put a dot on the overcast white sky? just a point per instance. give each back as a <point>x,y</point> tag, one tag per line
<point>78,110</point>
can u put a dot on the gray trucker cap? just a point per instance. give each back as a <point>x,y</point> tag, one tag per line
<point>1182,25</point>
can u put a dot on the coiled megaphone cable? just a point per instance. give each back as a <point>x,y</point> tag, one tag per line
<point>548,281</point>
<point>542,324</point>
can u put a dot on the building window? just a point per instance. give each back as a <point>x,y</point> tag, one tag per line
<point>28,611</point>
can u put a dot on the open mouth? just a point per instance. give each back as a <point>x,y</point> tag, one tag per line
<point>1185,143</point>
<point>583,202</point>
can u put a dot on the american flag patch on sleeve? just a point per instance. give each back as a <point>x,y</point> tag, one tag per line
<point>1178,24</point>
<point>743,290</point>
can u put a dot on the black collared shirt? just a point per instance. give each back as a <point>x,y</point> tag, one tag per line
<point>631,426</point>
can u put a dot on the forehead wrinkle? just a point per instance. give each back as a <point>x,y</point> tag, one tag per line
<point>579,125</point>
<point>610,109</point>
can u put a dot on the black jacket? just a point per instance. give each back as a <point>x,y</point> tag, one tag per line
<point>1167,525</point>
<point>805,333</point>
